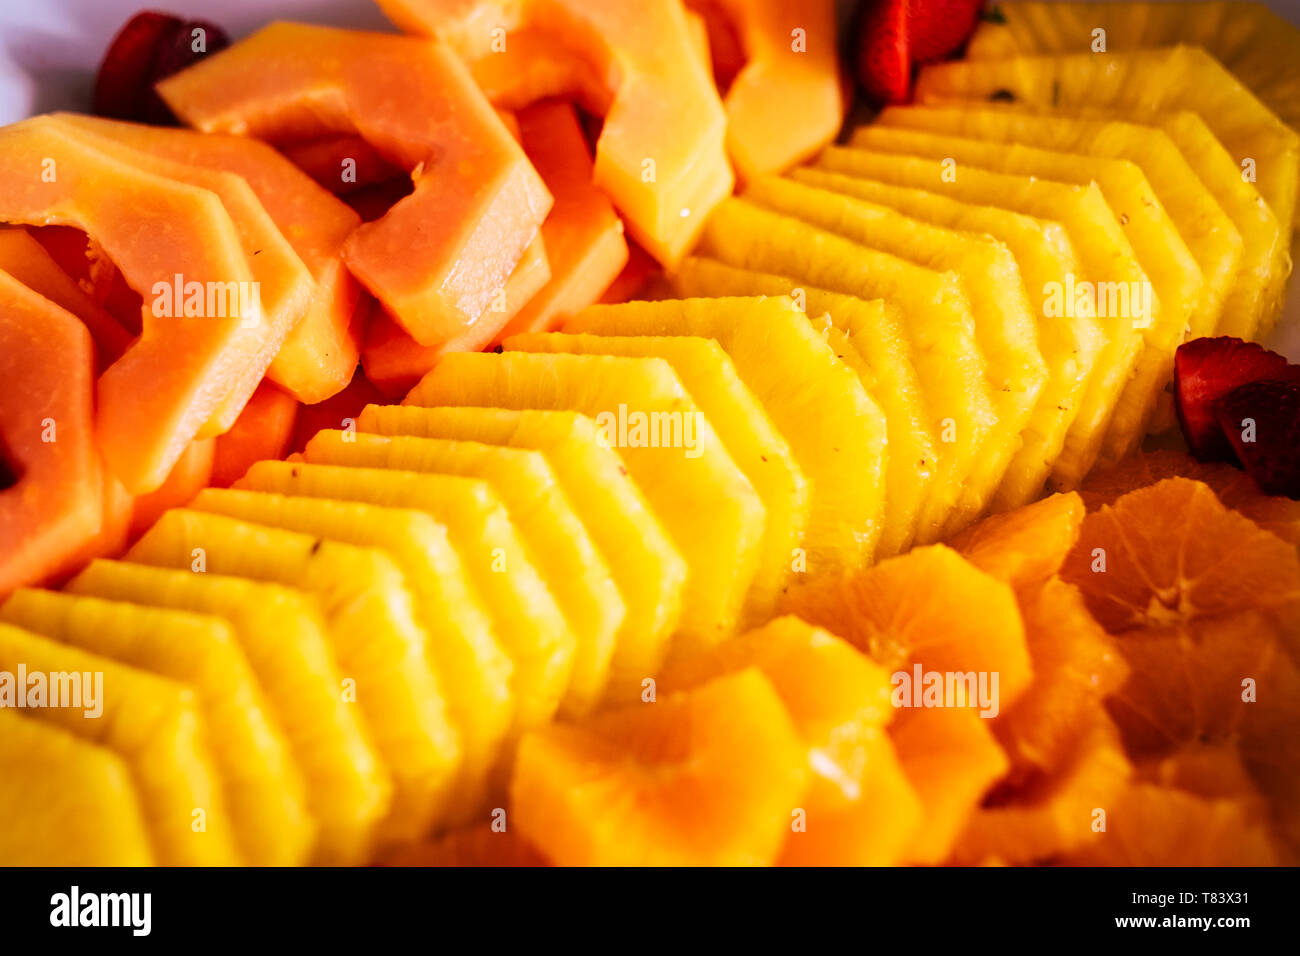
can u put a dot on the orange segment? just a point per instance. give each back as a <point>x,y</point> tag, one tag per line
<point>1026,546</point>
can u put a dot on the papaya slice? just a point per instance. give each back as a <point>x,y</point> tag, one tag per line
<point>437,258</point>
<point>190,474</point>
<point>263,430</point>
<point>341,162</point>
<point>52,501</point>
<point>661,153</point>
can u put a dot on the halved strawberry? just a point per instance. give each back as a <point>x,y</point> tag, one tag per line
<point>884,64</point>
<point>1262,422</point>
<point>1207,369</point>
<point>150,47</point>
<point>937,28</point>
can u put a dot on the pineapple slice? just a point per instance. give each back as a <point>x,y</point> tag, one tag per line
<point>1175,78</point>
<point>937,318</point>
<point>1097,237</point>
<point>647,568</point>
<point>1070,344</point>
<point>746,432</point>
<point>706,503</point>
<point>262,786</point>
<point>372,629</point>
<point>836,431</point>
<point>65,802</point>
<point>1005,329</point>
<point>868,337</point>
<point>153,724</point>
<point>282,635</point>
<point>562,654</point>
<point>1175,278</point>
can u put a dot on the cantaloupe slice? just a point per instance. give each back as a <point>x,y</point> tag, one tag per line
<point>708,506</point>
<point>879,354</point>
<point>154,725</point>
<point>282,634</point>
<point>73,801</point>
<point>936,314</point>
<point>318,357</point>
<point>645,565</point>
<point>470,176</point>
<point>746,432</point>
<point>262,786</point>
<point>372,629</point>
<point>263,430</point>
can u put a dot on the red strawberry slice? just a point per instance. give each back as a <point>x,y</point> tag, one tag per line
<point>150,47</point>
<point>884,53</point>
<point>1262,421</point>
<point>937,28</point>
<point>1207,369</point>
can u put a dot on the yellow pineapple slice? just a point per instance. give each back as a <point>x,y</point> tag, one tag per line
<point>1005,326</point>
<point>262,786</point>
<point>153,724</point>
<point>373,631</point>
<point>647,568</point>
<point>836,431</point>
<point>878,352</point>
<point>1174,78</point>
<point>936,316</point>
<point>1175,278</point>
<point>64,801</point>
<point>282,635</point>
<point>706,503</point>
<point>562,651</point>
<point>1104,253</point>
<point>746,432</point>
<point>1069,344</point>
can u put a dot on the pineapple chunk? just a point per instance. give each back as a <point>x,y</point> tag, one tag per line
<point>263,788</point>
<point>836,431</point>
<point>65,802</point>
<point>868,337</point>
<point>1175,278</point>
<point>562,654</point>
<point>937,318</point>
<point>746,432</point>
<point>647,568</point>
<point>1005,329</point>
<point>1070,344</point>
<point>282,635</point>
<point>153,724</point>
<point>706,503</point>
<point>373,632</point>
<point>1097,237</point>
<point>1175,78</point>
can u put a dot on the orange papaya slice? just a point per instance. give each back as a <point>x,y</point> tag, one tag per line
<point>190,475</point>
<point>437,258</point>
<point>263,430</point>
<point>340,162</point>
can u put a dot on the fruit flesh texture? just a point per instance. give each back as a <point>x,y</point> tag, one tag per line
<point>1004,328</point>
<point>489,202</point>
<point>646,567</point>
<point>878,353</point>
<point>155,727</point>
<point>1175,278</point>
<point>76,801</point>
<point>372,630</point>
<point>262,787</point>
<point>263,430</point>
<point>744,427</point>
<point>282,634</point>
<point>1104,252</point>
<point>936,316</point>
<point>706,503</point>
<point>321,352</point>
<point>638,68</point>
<point>192,472</point>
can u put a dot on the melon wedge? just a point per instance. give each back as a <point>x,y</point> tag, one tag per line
<point>262,787</point>
<point>746,432</point>
<point>471,177</point>
<point>874,347</point>
<point>155,726</point>
<point>708,506</point>
<point>936,315</point>
<point>372,629</point>
<point>283,636</point>
<point>645,565</point>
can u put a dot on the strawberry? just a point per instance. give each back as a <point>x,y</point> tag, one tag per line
<point>938,28</point>
<point>1262,421</point>
<point>884,52</point>
<point>151,47</point>
<point>1207,369</point>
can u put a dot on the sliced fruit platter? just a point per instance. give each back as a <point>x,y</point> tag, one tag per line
<point>720,432</point>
